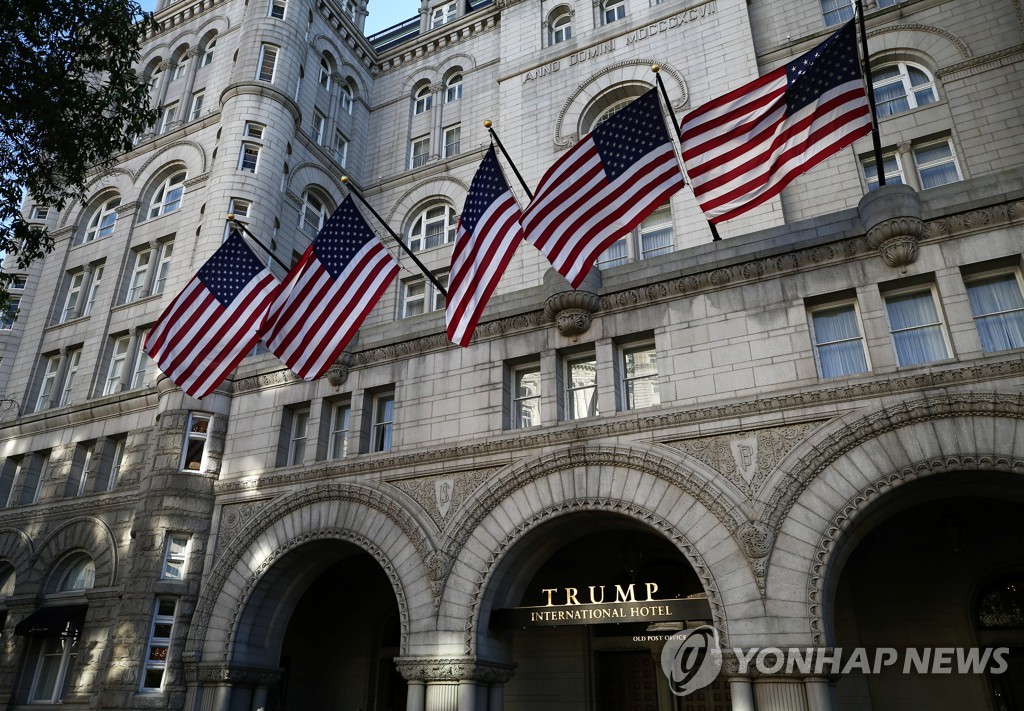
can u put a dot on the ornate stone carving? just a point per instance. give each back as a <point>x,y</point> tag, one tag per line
<point>437,501</point>
<point>337,374</point>
<point>570,309</point>
<point>233,518</point>
<point>891,216</point>
<point>454,669</point>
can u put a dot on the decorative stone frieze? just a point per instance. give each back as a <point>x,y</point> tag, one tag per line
<point>891,216</point>
<point>454,669</point>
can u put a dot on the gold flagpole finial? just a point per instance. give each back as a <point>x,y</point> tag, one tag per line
<point>655,68</point>
<point>487,123</point>
<point>344,179</point>
<point>231,217</point>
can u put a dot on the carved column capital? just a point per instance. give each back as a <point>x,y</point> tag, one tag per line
<point>891,216</point>
<point>571,309</point>
<point>337,374</point>
<point>454,669</point>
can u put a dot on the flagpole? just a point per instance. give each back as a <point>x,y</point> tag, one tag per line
<point>401,242</point>
<point>679,133</point>
<point>876,138</point>
<point>270,253</point>
<point>494,137</point>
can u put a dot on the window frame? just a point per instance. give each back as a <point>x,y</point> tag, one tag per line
<point>298,435</point>
<point>338,433</point>
<point>972,279</point>
<point>920,167</point>
<point>422,100</point>
<point>169,196</point>
<point>159,620</point>
<point>194,436</point>
<point>196,106</point>
<point>249,157</point>
<point>316,129</point>
<point>560,25</point>
<point>428,296</point>
<point>74,360</point>
<point>320,209</point>
<point>10,314</point>
<point>869,170</point>
<point>277,9</point>
<point>137,282</point>
<point>44,648</point>
<point>939,323</point>
<point>612,11</point>
<point>453,88</point>
<point>517,398</point>
<point>103,220</point>
<point>162,266</point>
<point>451,147</point>
<point>910,90</point>
<point>379,423</point>
<point>419,238</point>
<point>266,68</point>
<point>419,159</point>
<point>115,368</point>
<point>836,305</point>
<point>340,148</point>
<point>168,115</point>
<point>443,14</point>
<point>76,285</point>
<point>628,382</point>
<point>49,379</point>
<point>569,390</point>
<point>173,555</point>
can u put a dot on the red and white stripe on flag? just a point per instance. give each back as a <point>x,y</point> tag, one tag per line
<point>328,294</point>
<point>215,321</point>
<point>603,187</point>
<point>743,148</point>
<point>485,242</point>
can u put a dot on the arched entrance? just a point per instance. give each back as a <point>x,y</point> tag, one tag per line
<point>916,572</point>
<point>552,603</point>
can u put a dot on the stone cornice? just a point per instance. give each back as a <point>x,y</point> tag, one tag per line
<point>979,64</point>
<point>436,40</point>
<point>169,21</point>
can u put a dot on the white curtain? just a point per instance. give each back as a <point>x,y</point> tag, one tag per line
<point>916,331</point>
<point>999,312</point>
<point>840,349</point>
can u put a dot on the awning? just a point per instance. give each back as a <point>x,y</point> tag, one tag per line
<point>52,621</point>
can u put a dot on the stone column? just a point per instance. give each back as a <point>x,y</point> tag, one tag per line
<point>910,177</point>
<point>779,694</point>
<point>193,57</point>
<point>819,694</point>
<point>437,118</point>
<point>443,696</point>
<point>416,698</point>
<point>742,694</point>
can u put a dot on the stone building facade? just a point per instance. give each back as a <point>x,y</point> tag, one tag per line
<point>810,430</point>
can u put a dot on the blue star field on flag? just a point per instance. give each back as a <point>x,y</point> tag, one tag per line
<point>825,67</point>
<point>343,235</point>
<point>630,134</point>
<point>230,269</point>
<point>488,185</point>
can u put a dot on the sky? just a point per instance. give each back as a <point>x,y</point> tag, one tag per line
<point>383,13</point>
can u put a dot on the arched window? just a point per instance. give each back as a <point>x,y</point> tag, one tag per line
<point>6,579</point>
<point>154,81</point>
<point>208,52</point>
<point>324,78</point>
<point>902,86</point>
<point>422,100</point>
<point>313,214</point>
<point>613,10</point>
<point>347,98</point>
<point>560,25</point>
<point>103,220</point>
<point>79,574</point>
<point>433,226</point>
<point>608,103</point>
<point>453,88</point>
<point>167,197</point>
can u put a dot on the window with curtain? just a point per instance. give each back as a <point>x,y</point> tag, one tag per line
<point>902,86</point>
<point>836,12</point>
<point>581,387</point>
<point>918,334</point>
<point>936,163</point>
<point>891,166</point>
<point>998,309</point>
<point>560,25</point>
<point>838,341</point>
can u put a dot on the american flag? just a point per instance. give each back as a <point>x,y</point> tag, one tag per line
<point>329,293</point>
<point>486,239</point>
<point>743,148</point>
<point>215,321</point>
<point>603,187</point>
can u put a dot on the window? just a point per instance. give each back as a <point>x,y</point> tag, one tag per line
<point>453,88</point>
<point>340,148</point>
<point>313,214</point>
<point>891,165</point>
<point>838,341</point>
<point>49,380</point>
<point>9,480</point>
<point>267,63</point>
<point>163,267</point>
<point>434,225</point>
<point>640,377</point>
<point>144,370</point>
<point>196,110</point>
<point>442,14</point>
<point>337,441</point>
<point>76,282</point>
<point>451,141</point>
<point>79,574</point>
<point>918,335</point>
<point>419,151</point>
<point>317,128</point>
<point>346,98</point>
<point>297,431</point>
<point>7,580</point>
<point>613,10</point>
<point>81,470</point>
<point>10,314</point>
<point>560,27</point>
<point>137,283</point>
<point>39,212</point>
<point>253,130</point>
<point>248,157</point>
<point>836,12</point>
<point>116,463</point>
<point>421,295</point>
<point>936,164</point>
<point>94,285</point>
<point>74,360</point>
<point>422,100</point>
<point>324,77</point>
<point>52,659</point>
<point>115,370</point>
<point>168,196</point>
<point>277,9</point>
<point>159,644</point>
<point>154,80</point>
<point>383,424</point>
<point>580,387</point>
<point>103,221</point>
<point>654,237</point>
<point>168,116</point>
<point>998,309</point>
<point>208,53</point>
<point>900,87</point>
<point>193,450</point>
<point>175,556</point>
<point>180,68</point>
<point>525,396</point>
<point>18,281</point>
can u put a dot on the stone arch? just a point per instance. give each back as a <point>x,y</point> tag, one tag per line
<point>860,459</point>
<point>306,175</point>
<point>188,153</point>
<point>631,71</point>
<point>87,534</point>
<point>422,77</point>
<point>114,180</point>
<point>464,62</point>
<point>444,186</point>
<point>943,47</point>
<point>639,484</point>
<point>356,514</point>
<point>16,549</point>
